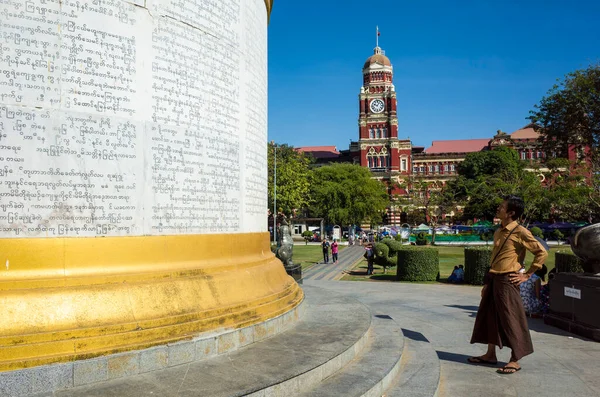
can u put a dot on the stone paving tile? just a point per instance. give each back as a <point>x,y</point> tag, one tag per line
<point>563,364</point>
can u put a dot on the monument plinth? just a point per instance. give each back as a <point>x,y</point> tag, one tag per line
<point>133,176</point>
<point>574,297</point>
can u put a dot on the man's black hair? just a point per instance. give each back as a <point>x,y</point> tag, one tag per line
<point>515,204</point>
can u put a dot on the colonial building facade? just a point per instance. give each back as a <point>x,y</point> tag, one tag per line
<point>396,161</point>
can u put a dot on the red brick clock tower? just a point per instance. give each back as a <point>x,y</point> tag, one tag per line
<point>380,150</point>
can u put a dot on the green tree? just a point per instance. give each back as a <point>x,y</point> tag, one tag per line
<point>421,195</point>
<point>427,197</point>
<point>485,177</point>
<point>308,235</point>
<point>294,178</point>
<point>346,194</point>
<point>569,114</point>
<point>490,162</point>
<point>569,117</point>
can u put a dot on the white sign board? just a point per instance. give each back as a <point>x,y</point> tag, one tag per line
<point>573,292</point>
<point>336,233</point>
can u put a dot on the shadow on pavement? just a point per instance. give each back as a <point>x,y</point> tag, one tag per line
<point>384,277</point>
<point>471,310</point>
<point>538,325</point>
<point>459,358</point>
<point>414,335</point>
<point>356,273</point>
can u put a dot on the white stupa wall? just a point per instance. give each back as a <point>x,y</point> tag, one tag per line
<point>133,118</point>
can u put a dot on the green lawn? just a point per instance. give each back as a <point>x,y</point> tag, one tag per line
<point>308,255</point>
<point>448,256</point>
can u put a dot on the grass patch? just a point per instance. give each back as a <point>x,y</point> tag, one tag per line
<point>449,257</point>
<point>309,255</point>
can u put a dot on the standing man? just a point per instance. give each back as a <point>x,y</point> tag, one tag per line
<point>501,319</point>
<point>325,246</point>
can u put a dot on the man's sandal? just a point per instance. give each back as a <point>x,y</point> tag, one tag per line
<point>508,370</point>
<point>479,360</point>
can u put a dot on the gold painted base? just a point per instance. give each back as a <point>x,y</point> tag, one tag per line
<point>77,298</point>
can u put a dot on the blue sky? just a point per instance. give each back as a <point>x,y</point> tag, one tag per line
<point>462,69</point>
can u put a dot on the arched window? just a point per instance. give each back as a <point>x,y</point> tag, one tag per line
<point>384,132</point>
<point>370,160</point>
<point>371,133</point>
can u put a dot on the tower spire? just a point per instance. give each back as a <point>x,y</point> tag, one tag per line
<point>377,36</point>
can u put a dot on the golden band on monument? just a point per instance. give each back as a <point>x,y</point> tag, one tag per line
<point>75,298</point>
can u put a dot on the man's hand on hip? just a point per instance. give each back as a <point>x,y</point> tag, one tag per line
<point>518,278</point>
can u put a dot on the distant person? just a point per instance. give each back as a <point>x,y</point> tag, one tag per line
<point>334,252</point>
<point>453,276</point>
<point>460,274</point>
<point>370,257</point>
<point>531,292</point>
<point>325,247</point>
<point>501,319</point>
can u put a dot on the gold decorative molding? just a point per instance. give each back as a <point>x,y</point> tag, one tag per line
<point>65,299</point>
<point>269,5</point>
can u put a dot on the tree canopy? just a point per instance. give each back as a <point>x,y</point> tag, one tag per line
<point>502,160</point>
<point>569,114</point>
<point>293,178</point>
<point>484,178</point>
<point>346,194</point>
<point>422,196</point>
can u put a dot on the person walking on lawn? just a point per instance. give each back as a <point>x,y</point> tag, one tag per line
<point>501,319</point>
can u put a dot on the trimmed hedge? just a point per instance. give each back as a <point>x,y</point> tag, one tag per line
<point>385,253</point>
<point>422,239</point>
<point>418,264</point>
<point>477,263</point>
<point>567,262</point>
<point>393,245</point>
<point>382,255</point>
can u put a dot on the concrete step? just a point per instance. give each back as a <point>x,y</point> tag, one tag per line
<point>333,331</point>
<point>372,370</point>
<point>419,373</point>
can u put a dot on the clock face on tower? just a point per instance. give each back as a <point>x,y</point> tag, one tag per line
<point>377,106</point>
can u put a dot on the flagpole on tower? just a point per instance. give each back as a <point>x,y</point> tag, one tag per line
<point>377,36</point>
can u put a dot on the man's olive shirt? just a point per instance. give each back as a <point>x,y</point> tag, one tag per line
<point>509,259</point>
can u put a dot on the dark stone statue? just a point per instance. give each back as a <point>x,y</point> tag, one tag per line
<point>574,297</point>
<point>586,245</point>
<point>285,245</point>
<point>285,250</point>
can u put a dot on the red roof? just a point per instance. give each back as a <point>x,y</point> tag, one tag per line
<point>458,146</point>
<point>525,133</point>
<point>320,152</point>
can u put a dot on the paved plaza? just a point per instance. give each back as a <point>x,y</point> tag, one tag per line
<point>441,318</point>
